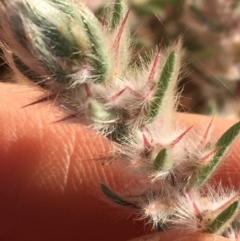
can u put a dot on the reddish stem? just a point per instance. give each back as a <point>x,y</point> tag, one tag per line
<point>155,62</point>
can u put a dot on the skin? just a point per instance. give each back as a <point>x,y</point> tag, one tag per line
<point>50,175</point>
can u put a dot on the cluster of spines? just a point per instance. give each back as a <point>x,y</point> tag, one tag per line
<point>86,67</point>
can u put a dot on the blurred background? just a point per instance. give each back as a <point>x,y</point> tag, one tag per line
<point>210,80</point>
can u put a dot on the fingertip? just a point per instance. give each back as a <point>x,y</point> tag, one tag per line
<point>179,235</point>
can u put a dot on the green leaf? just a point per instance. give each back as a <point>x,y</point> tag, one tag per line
<point>57,42</point>
<point>115,198</point>
<point>57,36</point>
<point>97,112</point>
<point>119,9</point>
<point>162,86</point>
<point>50,64</point>
<point>222,147</point>
<point>101,60</point>
<point>46,43</point>
<point>223,219</point>
<point>76,28</point>
<point>64,6</point>
<point>162,162</point>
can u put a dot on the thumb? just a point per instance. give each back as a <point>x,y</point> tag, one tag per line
<point>50,176</point>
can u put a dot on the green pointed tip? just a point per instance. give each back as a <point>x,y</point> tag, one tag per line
<point>228,137</point>
<point>162,86</point>
<point>98,113</point>
<point>162,162</point>
<point>222,146</point>
<point>119,10</point>
<point>221,222</point>
<point>115,198</point>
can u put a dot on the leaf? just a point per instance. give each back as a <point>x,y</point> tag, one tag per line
<point>101,63</point>
<point>162,86</point>
<point>222,147</point>
<point>98,113</point>
<point>57,36</point>
<point>162,162</point>
<point>119,10</point>
<point>115,198</point>
<point>224,218</point>
<point>100,60</point>
<point>46,43</point>
<point>47,60</point>
<point>61,44</point>
<point>64,6</point>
